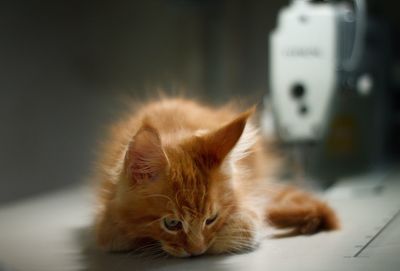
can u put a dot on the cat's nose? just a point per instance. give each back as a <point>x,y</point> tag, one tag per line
<point>196,250</point>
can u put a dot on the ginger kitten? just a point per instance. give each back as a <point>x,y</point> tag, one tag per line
<point>194,180</point>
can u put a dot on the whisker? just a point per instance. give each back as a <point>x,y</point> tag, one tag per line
<point>154,221</point>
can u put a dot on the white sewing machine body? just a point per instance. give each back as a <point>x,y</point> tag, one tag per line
<point>303,61</point>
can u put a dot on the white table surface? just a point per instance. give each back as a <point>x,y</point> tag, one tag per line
<point>51,232</point>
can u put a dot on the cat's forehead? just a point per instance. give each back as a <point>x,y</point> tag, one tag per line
<point>190,192</point>
<point>191,196</point>
<point>188,184</point>
<point>185,173</point>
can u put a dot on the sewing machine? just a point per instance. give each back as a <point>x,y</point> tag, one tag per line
<point>329,74</point>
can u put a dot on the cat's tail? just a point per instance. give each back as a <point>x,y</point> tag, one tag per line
<point>301,212</point>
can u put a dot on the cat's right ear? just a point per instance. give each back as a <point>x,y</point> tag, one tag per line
<point>212,148</point>
<point>145,159</point>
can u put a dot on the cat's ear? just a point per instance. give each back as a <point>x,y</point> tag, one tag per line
<point>145,158</point>
<point>216,145</point>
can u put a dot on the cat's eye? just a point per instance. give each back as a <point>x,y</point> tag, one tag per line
<point>172,224</point>
<point>211,219</point>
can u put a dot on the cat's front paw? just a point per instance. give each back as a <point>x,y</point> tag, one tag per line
<point>235,245</point>
<point>239,234</point>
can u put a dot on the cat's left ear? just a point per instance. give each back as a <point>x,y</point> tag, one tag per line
<point>145,158</point>
<point>216,145</point>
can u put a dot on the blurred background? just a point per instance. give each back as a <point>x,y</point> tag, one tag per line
<point>66,64</point>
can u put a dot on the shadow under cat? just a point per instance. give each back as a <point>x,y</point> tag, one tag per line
<point>93,259</point>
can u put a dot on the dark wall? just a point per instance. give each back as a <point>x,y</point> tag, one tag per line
<point>65,64</point>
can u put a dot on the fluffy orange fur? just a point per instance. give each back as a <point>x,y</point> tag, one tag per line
<point>193,179</point>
